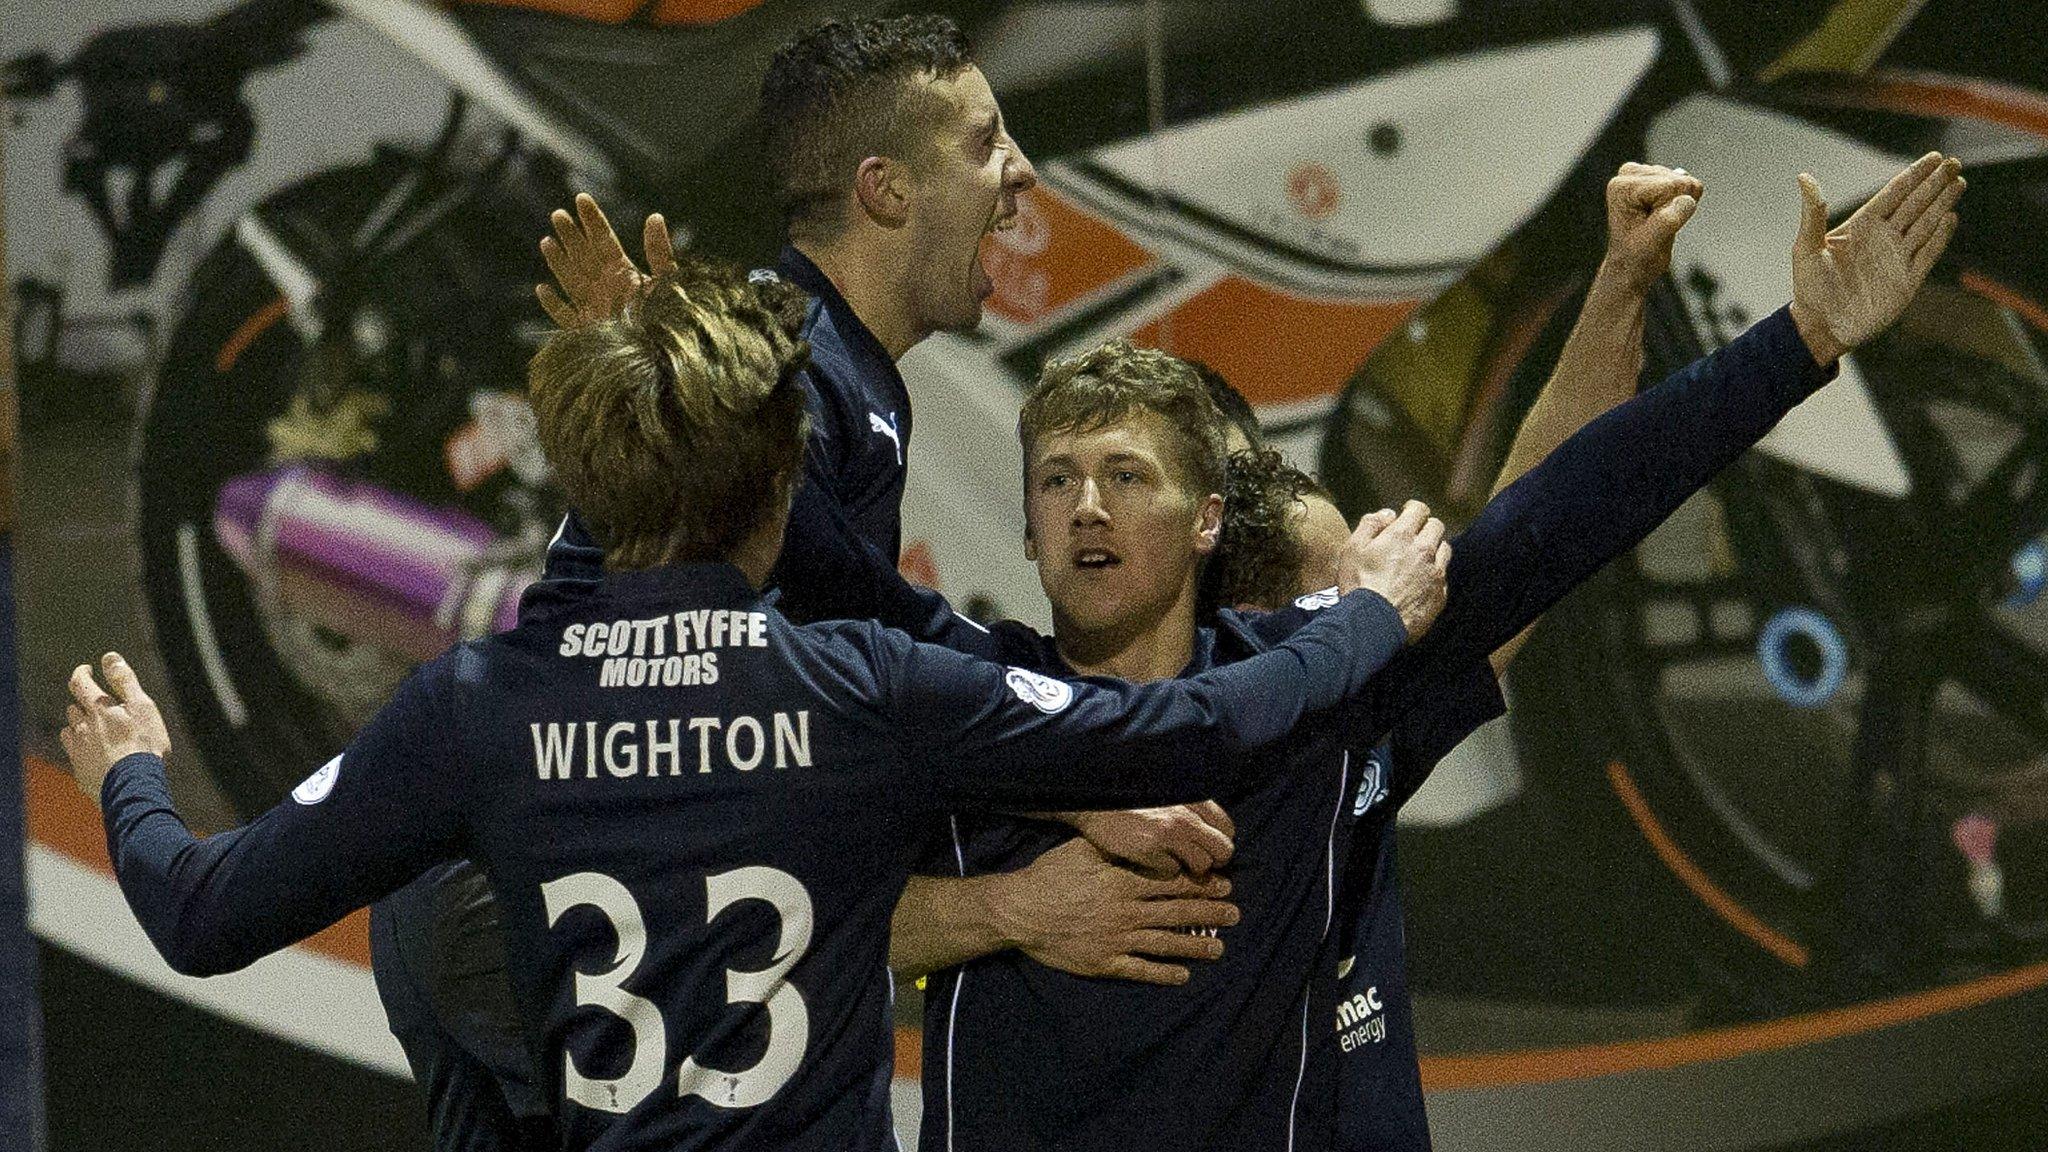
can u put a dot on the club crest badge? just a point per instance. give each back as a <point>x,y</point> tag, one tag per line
<point>1041,692</point>
<point>1316,601</point>
<point>1372,785</point>
<point>315,788</point>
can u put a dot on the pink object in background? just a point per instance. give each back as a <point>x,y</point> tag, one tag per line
<point>365,562</point>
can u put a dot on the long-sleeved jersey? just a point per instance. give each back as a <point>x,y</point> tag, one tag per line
<point>1244,1056</point>
<point>455,1023</point>
<point>1659,448</point>
<point>697,818</point>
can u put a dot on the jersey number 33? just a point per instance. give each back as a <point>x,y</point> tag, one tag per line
<point>789,1023</point>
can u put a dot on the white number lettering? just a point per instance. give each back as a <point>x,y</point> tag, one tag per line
<point>606,990</point>
<point>789,1020</point>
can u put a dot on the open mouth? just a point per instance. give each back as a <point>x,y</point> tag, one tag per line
<point>1096,559</point>
<point>984,284</point>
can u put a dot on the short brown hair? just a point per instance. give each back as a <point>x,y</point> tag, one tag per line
<point>1108,383</point>
<point>676,427</point>
<point>842,91</point>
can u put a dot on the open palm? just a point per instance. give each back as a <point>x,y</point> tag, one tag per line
<point>596,276</point>
<point>1852,283</point>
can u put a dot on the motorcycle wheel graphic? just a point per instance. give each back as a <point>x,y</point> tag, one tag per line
<point>420,329</point>
<point>1753,736</point>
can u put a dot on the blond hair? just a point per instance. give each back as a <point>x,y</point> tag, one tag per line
<point>678,427</point>
<point>1107,383</point>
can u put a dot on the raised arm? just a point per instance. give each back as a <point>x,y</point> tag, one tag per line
<point>1610,484</point>
<point>1603,357</point>
<point>1647,205</point>
<point>357,829</point>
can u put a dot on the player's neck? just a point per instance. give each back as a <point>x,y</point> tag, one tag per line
<point>756,555</point>
<point>1150,649</point>
<point>871,285</point>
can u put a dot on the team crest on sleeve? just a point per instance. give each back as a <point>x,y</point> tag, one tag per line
<point>1315,601</point>
<point>315,788</point>
<point>1372,784</point>
<point>1041,692</point>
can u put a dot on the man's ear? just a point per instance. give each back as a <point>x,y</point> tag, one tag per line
<point>1208,525</point>
<point>1030,541</point>
<point>882,186</point>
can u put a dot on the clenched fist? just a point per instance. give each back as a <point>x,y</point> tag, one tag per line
<point>1646,206</point>
<point>1403,558</point>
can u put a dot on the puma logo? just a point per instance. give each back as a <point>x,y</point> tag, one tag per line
<point>887,428</point>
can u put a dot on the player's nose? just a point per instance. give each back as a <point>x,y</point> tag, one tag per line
<point>1089,509</point>
<point>1019,176</point>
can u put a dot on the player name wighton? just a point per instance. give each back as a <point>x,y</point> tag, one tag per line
<point>670,746</point>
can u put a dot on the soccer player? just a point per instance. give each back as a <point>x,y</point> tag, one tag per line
<point>892,161</point>
<point>585,253</point>
<point>1075,908</point>
<point>1020,1055</point>
<point>696,815</point>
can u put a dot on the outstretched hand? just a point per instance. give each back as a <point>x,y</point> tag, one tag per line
<point>101,729</point>
<point>596,276</point>
<point>1852,283</point>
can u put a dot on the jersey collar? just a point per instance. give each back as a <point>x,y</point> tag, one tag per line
<point>1200,660</point>
<point>797,268</point>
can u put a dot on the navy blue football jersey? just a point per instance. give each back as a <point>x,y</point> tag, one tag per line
<point>846,521</point>
<point>1018,1055</point>
<point>697,818</point>
<point>844,533</point>
<point>860,428</point>
<point>1243,1056</point>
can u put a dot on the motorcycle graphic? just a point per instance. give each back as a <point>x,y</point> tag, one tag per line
<point>1798,737</point>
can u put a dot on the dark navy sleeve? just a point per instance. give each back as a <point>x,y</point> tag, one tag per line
<point>829,571</point>
<point>1457,704</point>
<point>1599,494</point>
<point>359,828</point>
<point>1596,496</point>
<point>991,737</point>
<point>831,421</point>
<point>1427,706</point>
<point>1608,486</point>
